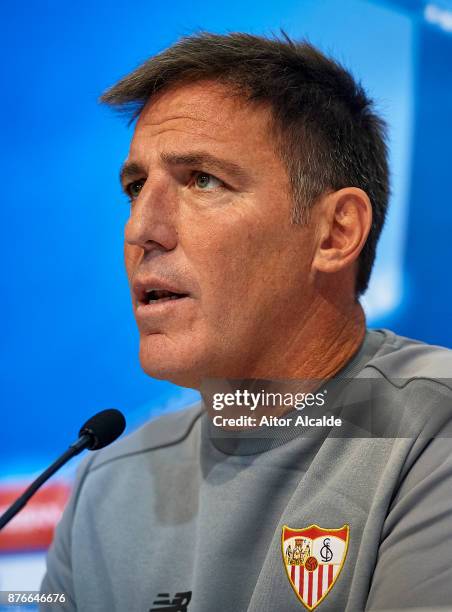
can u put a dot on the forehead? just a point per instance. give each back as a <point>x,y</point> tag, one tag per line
<point>204,110</point>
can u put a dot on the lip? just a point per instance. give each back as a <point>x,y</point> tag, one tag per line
<point>153,313</point>
<point>142,285</point>
<point>157,309</point>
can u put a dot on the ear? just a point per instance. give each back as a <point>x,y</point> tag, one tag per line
<point>345,219</point>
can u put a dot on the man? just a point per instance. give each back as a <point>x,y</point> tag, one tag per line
<point>258,185</point>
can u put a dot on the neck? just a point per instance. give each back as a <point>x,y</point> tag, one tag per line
<point>328,336</point>
<point>327,340</point>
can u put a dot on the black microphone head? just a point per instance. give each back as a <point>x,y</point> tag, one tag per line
<point>103,428</point>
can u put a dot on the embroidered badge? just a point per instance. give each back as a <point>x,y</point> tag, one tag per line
<point>313,558</point>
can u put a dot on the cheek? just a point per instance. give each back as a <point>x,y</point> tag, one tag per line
<point>230,264</point>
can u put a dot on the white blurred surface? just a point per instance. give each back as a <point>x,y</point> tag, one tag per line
<point>22,572</point>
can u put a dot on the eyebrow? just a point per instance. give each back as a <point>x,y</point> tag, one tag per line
<point>130,170</point>
<point>191,158</point>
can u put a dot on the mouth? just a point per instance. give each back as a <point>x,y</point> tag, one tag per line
<point>159,296</point>
<point>155,306</point>
<point>156,297</point>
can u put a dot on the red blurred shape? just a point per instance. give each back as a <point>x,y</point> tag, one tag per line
<point>33,527</point>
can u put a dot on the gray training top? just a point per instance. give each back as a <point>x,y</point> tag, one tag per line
<point>172,518</point>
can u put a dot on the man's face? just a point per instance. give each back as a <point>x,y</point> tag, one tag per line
<point>217,234</point>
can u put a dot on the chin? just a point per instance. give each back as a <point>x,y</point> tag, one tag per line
<point>174,363</point>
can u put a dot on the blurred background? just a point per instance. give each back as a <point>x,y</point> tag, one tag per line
<point>68,339</point>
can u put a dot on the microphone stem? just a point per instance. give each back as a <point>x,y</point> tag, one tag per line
<point>76,448</point>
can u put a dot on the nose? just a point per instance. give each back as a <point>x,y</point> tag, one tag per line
<point>151,224</point>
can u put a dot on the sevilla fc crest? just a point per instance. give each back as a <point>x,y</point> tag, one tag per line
<point>313,558</point>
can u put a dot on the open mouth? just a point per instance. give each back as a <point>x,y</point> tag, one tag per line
<point>158,296</point>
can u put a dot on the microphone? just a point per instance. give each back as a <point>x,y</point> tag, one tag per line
<point>100,430</point>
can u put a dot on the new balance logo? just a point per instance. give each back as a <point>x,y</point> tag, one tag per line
<point>178,604</point>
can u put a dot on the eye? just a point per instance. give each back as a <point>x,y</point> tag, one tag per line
<point>133,189</point>
<point>202,180</point>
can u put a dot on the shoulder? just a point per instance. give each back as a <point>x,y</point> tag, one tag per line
<point>137,455</point>
<point>168,430</point>
<point>401,360</point>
